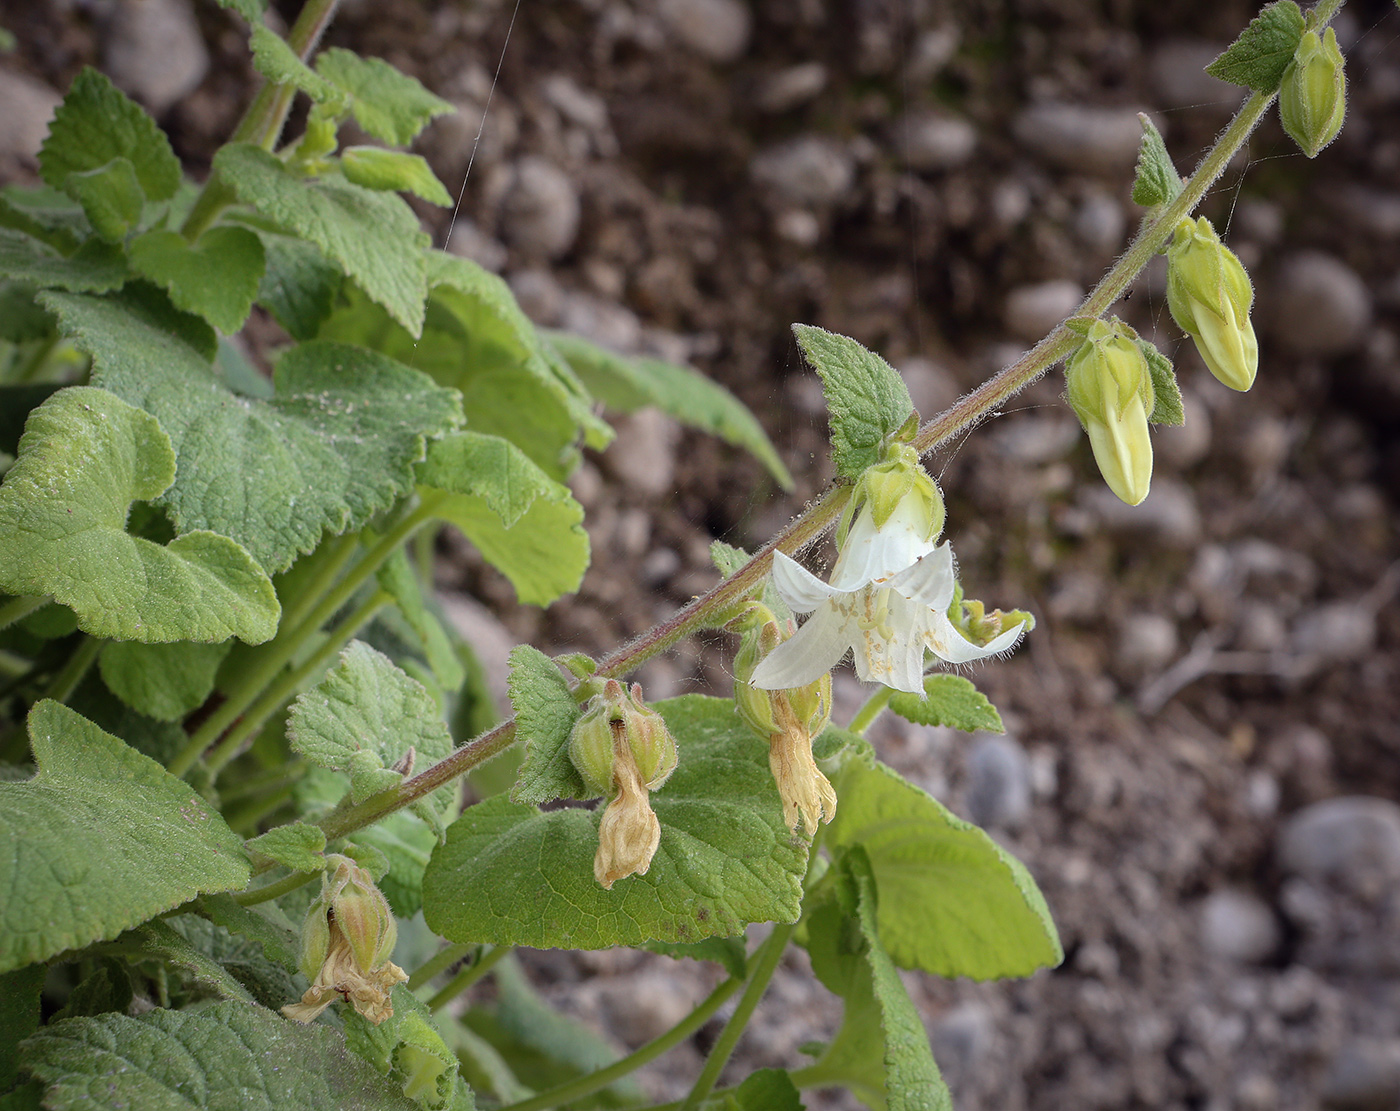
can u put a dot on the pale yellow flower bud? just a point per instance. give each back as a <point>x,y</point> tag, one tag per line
<point>1209,295</point>
<point>1312,101</point>
<point>1109,386</point>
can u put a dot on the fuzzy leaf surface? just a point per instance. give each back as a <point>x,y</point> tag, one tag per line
<point>278,62</point>
<point>85,456</point>
<point>299,285</point>
<point>226,1057</point>
<point>93,268</point>
<point>403,1044</point>
<point>952,901</point>
<point>373,236</point>
<point>1157,181</point>
<point>949,700</point>
<point>111,197</point>
<point>545,712</point>
<point>298,846</point>
<point>511,875</point>
<point>162,681</point>
<point>1167,406</point>
<point>336,445</point>
<point>377,168</point>
<point>866,399</point>
<point>390,105</point>
<point>99,840</point>
<point>216,277</point>
<point>687,395</point>
<point>398,578</point>
<point>251,10</point>
<point>1259,56</point>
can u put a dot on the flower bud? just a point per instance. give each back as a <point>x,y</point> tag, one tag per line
<point>900,484</point>
<point>1209,295</point>
<point>1109,386</point>
<point>1312,101</point>
<point>347,940</point>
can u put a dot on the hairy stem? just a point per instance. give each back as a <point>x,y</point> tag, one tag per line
<point>67,680</point>
<point>440,961</point>
<point>468,976</point>
<point>274,890</point>
<point>870,711</point>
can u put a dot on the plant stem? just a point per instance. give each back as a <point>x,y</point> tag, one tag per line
<point>870,711</point>
<point>468,976</point>
<point>624,1066</point>
<point>765,964</point>
<point>67,680</point>
<point>326,564</point>
<point>274,890</point>
<point>440,961</point>
<point>17,609</point>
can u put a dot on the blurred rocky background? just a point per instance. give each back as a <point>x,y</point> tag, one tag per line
<point>1203,756</point>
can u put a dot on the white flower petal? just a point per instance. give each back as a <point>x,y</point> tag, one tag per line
<point>950,645</point>
<point>798,587</point>
<point>812,651</point>
<point>930,581</point>
<point>872,554</point>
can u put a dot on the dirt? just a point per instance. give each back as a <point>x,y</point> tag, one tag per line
<point>1152,786</point>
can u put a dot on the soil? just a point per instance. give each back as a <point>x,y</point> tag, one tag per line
<point>1204,667</point>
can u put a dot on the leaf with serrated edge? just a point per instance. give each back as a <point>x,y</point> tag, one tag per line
<point>390,105</point>
<point>101,839</point>
<point>952,901</point>
<point>1167,407</point>
<point>949,700</point>
<point>251,10</point>
<point>545,712</point>
<point>85,456</point>
<point>299,285</point>
<point>237,1053</point>
<point>162,681</point>
<point>94,268</point>
<point>409,1027</point>
<point>111,197</point>
<point>96,123</point>
<point>1259,56</point>
<point>280,943</point>
<point>362,717</point>
<point>299,846</point>
<point>278,62</point>
<point>334,447</point>
<point>377,168</point>
<point>528,526</point>
<point>881,1051</point>
<point>1157,181</point>
<point>217,277</point>
<point>373,236</point>
<point>511,875</point>
<point>680,392</point>
<point>866,400</point>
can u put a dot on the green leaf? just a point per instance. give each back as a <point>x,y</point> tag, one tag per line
<point>101,839</point>
<point>1259,56</point>
<point>1166,407</point>
<point>1157,181</point>
<point>107,989</point>
<point>160,740</point>
<point>280,943</point>
<point>241,1055</point>
<point>251,10</point>
<point>373,236</point>
<point>511,875</point>
<point>334,447</point>
<point>96,123</point>
<point>764,1090</point>
<point>362,718</point>
<point>216,277</point>
<point>407,844</point>
<point>398,578</point>
<point>949,700</point>
<point>278,62</point>
<point>85,456</point>
<point>729,953</point>
<point>687,395</point>
<point>952,901</point>
<point>300,284</point>
<point>407,1047</point>
<point>377,168</point>
<point>299,846</point>
<point>162,681</point>
<point>866,399</point>
<point>94,268</point>
<point>202,976</point>
<point>528,526</point>
<point>110,196</point>
<point>46,214</point>
<point>19,1015</point>
<point>881,1051</point>
<point>729,559</point>
<point>391,106</point>
<point>212,953</point>
<point>545,712</point>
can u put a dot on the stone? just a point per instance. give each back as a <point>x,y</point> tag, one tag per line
<point>933,50</point>
<point>469,241</point>
<point>1238,927</point>
<point>1080,138</point>
<point>1319,306</point>
<point>999,783</point>
<point>1100,223</point>
<point>962,1039</point>
<point>1352,841</point>
<point>1335,632</point>
<point>577,105</point>
<point>1169,513</point>
<point>1031,311</point>
<point>1147,642</point>
<point>153,50</point>
<point>24,124</point>
<point>932,387</point>
<point>716,30</point>
<point>807,170</point>
<point>1182,446</point>
<point>1364,1076</point>
<point>933,141</point>
<point>643,457</point>
<point>489,639</point>
<point>1036,438</point>
<point>798,226</point>
<point>538,293</point>
<point>540,209</point>
<point>604,322</point>
<point>1176,70</point>
<point>791,87</point>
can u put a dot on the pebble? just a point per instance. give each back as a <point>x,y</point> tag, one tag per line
<point>469,241</point>
<point>1364,1076</point>
<point>1353,841</point>
<point>1032,310</point>
<point>538,293</point>
<point>999,783</point>
<point>1147,642</point>
<point>1010,203</point>
<point>575,104</point>
<point>932,141</point>
<point>961,1040</point>
<point>604,322</point>
<point>490,640</point>
<point>1035,439</point>
<point>1169,512</point>
<point>644,1005</point>
<point>1080,138</point>
<point>798,226</point>
<point>1237,926</point>
<point>716,30</point>
<point>1335,632</point>
<point>808,170</point>
<point>643,457</point>
<point>1319,306</point>
<point>540,209</point>
<point>1259,220</point>
<point>792,87</point>
<point>1177,73</point>
<point>1184,445</point>
<point>932,387</point>
<point>24,124</point>
<point>153,50</point>
<point>933,50</point>
<point>1100,223</point>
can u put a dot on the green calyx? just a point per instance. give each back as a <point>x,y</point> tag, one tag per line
<point>1209,295</point>
<point>897,482</point>
<point>1312,100</point>
<point>617,724</point>
<point>352,906</point>
<point>808,707</point>
<point>1109,386</point>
